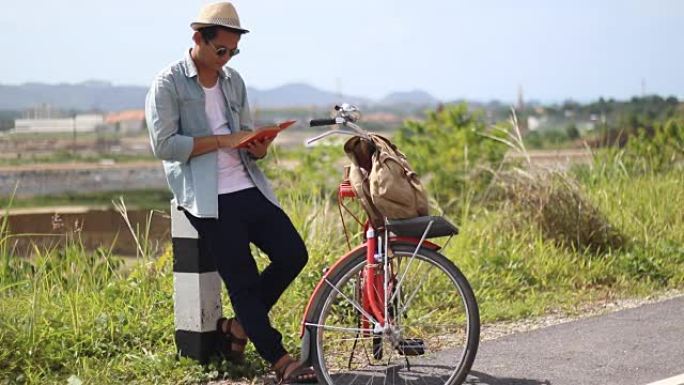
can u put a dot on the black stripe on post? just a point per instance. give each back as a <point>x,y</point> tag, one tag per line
<point>197,345</point>
<point>188,259</point>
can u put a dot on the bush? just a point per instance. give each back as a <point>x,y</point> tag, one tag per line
<point>554,202</point>
<point>452,152</point>
<point>658,152</point>
<point>550,138</point>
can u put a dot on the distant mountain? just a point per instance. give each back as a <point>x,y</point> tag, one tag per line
<point>103,96</point>
<point>92,95</point>
<point>415,97</point>
<point>298,95</point>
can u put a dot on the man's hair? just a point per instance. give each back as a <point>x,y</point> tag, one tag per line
<point>209,33</point>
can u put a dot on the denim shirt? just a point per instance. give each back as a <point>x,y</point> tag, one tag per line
<point>174,110</point>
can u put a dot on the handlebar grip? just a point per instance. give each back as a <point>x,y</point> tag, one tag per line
<point>322,122</point>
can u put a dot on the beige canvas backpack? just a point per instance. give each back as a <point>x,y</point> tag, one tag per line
<point>384,181</point>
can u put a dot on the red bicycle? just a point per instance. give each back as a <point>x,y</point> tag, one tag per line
<point>393,310</point>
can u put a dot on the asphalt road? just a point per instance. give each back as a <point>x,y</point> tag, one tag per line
<point>630,347</point>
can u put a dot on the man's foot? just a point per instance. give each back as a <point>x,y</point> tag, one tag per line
<point>290,371</point>
<point>232,339</point>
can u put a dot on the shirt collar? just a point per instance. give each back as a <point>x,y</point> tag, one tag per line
<point>191,70</point>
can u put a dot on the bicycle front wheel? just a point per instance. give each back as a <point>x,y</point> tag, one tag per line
<point>432,334</point>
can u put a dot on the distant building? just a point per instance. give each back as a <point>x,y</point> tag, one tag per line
<point>79,123</point>
<point>586,126</point>
<point>382,117</point>
<point>533,123</point>
<point>128,121</point>
<point>43,111</point>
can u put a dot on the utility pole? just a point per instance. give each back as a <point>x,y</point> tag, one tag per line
<point>73,139</point>
<point>643,87</point>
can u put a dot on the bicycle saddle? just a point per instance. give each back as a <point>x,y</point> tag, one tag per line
<point>415,227</point>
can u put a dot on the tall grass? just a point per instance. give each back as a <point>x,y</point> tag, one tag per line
<point>74,313</point>
<point>518,269</point>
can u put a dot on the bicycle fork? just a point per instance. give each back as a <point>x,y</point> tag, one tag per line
<point>373,290</point>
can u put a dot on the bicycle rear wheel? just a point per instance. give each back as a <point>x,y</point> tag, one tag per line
<point>434,329</point>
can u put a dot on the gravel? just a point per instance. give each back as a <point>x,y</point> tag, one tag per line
<point>501,329</point>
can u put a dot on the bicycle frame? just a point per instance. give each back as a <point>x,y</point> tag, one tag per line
<point>373,295</point>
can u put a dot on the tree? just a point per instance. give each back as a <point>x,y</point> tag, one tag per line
<point>572,132</point>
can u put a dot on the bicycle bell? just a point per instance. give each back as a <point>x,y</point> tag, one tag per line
<point>349,112</point>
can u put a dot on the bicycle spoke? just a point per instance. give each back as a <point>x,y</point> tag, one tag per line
<point>413,256</point>
<point>349,338</point>
<point>398,296</point>
<point>421,281</point>
<point>417,321</point>
<point>352,302</point>
<point>341,328</point>
<point>434,327</point>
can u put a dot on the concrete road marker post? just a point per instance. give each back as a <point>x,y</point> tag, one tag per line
<point>197,291</point>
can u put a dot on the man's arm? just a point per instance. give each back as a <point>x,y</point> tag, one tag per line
<point>161,112</point>
<point>205,144</point>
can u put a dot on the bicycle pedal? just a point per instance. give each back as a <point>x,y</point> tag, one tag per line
<point>411,347</point>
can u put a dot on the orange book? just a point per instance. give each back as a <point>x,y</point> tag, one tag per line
<point>263,133</point>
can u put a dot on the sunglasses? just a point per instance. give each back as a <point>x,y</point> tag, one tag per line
<point>223,50</point>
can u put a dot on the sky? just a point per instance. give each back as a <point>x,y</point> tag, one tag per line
<point>479,50</point>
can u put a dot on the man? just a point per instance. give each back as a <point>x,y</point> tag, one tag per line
<point>196,111</point>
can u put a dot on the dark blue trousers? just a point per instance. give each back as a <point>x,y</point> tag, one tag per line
<point>248,217</point>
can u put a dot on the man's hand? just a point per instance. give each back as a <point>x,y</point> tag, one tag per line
<point>259,148</point>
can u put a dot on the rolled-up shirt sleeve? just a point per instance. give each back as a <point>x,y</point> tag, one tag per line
<point>162,116</point>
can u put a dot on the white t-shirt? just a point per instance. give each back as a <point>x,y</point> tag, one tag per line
<point>232,175</point>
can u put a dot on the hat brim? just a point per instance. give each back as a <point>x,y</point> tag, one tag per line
<point>199,25</point>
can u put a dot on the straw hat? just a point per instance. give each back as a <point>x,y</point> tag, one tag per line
<point>223,14</point>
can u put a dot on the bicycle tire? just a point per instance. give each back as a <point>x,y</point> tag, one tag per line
<point>350,270</point>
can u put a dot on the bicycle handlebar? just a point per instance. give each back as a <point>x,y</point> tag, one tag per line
<point>346,116</point>
<point>322,122</point>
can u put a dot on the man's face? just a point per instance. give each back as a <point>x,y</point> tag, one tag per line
<point>224,42</point>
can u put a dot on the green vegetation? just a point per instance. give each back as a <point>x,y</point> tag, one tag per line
<point>519,271</point>
<point>532,242</point>
<point>549,139</point>
<point>66,156</point>
<point>149,199</point>
<point>453,150</point>
<point>599,124</point>
<point>7,118</point>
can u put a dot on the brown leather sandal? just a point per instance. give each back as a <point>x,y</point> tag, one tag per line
<point>300,374</point>
<point>226,340</point>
